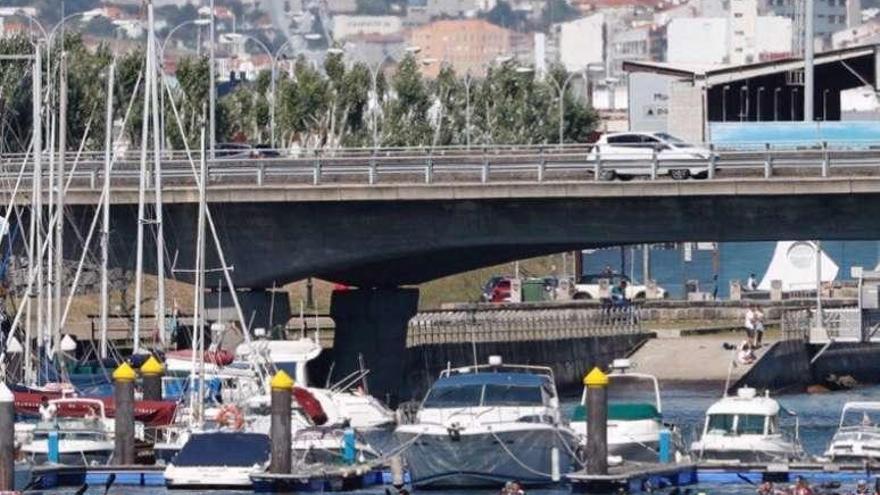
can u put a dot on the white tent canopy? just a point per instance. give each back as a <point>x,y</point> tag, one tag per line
<point>794,263</point>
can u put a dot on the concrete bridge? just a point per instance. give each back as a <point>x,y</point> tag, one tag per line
<point>384,235</point>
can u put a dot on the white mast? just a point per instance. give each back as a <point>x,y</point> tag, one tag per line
<point>59,205</point>
<point>105,210</point>
<point>145,125</point>
<point>37,118</point>
<point>157,173</point>
<point>198,347</point>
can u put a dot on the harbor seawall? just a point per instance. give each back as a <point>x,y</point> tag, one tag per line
<point>787,367</point>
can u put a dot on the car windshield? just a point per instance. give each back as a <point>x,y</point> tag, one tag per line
<point>670,139</point>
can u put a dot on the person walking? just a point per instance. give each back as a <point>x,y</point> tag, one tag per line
<point>751,283</point>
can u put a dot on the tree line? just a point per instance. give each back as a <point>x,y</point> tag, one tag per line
<point>328,106</point>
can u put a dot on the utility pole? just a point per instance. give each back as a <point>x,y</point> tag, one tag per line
<point>809,76</point>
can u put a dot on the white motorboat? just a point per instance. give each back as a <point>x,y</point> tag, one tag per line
<point>482,426</point>
<point>324,446</point>
<point>858,435</point>
<point>635,416</point>
<point>219,460</point>
<point>86,440</point>
<point>747,428</point>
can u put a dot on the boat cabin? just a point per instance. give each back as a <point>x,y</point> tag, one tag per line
<point>743,414</point>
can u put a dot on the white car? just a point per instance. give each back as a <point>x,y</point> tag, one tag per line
<point>587,287</point>
<point>628,154</point>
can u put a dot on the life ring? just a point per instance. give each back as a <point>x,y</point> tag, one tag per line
<point>231,417</point>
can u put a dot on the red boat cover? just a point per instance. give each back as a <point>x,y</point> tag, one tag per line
<point>220,358</point>
<point>149,412</point>
<point>310,405</point>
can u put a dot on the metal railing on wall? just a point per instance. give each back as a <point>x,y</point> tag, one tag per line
<point>520,325</point>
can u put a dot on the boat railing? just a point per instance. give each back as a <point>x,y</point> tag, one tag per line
<point>520,368</point>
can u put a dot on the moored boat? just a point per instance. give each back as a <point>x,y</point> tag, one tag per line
<point>482,426</point>
<point>858,434</point>
<point>747,428</point>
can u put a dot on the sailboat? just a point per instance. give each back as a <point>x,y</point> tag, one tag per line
<point>794,264</point>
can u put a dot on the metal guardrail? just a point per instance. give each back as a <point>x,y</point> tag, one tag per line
<point>481,165</point>
<point>516,325</point>
<point>838,325</point>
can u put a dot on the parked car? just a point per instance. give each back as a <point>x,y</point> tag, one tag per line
<point>628,154</point>
<point>497,289</point>
<point>232,151</point>
<point>587,287</point>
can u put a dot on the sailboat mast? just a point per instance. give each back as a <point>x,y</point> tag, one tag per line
<point>157,174</point>
<point>142,186</point>
<point>105,211</point>
<point>59,205</point>
<point>37,110</point>
<point>199,309</point>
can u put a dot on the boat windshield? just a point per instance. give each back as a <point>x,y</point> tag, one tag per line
<point>489,395</point>
<point>732,424</point>
<point>459,396</point>
<point>861,418</point>
<point>224,449</point>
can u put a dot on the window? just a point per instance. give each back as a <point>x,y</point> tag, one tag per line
<point>720,423</point>
<point>750,424</point>
<point>456,396</point>
<point>506,395</point>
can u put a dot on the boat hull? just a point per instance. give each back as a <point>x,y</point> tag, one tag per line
<point>437,459</point>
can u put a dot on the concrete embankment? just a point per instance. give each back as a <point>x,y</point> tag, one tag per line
<point>790,366</point>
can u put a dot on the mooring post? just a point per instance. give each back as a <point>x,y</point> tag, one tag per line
<point>124,378</point>
<point>282,389</point>
<point>151,372</point>
<point>396,472</point>
<point>597,421</point>
<point>7,439</point>
<point>664,452</point>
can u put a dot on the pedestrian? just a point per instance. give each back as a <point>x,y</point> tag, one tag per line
<point>758,326</point>
<point>802,487</point>
<point>749,324</point>
<point>766,488</point>
<point>752,283</point>
<point>862,488</point>
<point>47,410</point>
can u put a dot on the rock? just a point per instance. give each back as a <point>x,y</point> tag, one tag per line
<point>818,389</point>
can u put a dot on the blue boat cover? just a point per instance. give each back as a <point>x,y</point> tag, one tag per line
<point>224,449</point>
<point>510,379</point>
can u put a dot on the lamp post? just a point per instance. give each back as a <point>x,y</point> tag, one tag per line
<point>793,101</point>
<point>231,37</point>
<point>724,91</point>
<point>758,103</point>
<point>374,75</point>
<point>197,22</point>
<point>468,79</point>
<point>561,93</point>
<point>776,92</point>
<point>743,103</point>
<point>825,104</point>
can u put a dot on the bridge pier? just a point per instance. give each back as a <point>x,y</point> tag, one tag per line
<point>373,323</point>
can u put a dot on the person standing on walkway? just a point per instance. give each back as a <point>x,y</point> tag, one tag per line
<point>749,323</point>
<point>759,326</point>
<point>751,283</point>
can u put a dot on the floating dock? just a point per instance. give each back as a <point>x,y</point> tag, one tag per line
<point>48,477</point>
<point>645,477</point>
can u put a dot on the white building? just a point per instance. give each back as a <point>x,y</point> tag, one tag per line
<point>773,36</point>
<point>742,20</point>
<point>581,41</point>
<point>699,40</point>
<point>345,26</point>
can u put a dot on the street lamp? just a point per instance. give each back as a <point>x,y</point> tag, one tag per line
<point>724,91</point>
<point>561,92</point>
<point>201,21</point>
<point>374,74</point>
<point>776,92</point>
<point>825,104</point>
<point>60,23</point>
<point>231,38</point>
<point>758,104</point>
<point>793,101</point>
<point>499,60</point>
<point>743,103</point>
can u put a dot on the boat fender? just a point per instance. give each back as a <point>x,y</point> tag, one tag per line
<point>454,432</point>
<point>310,405</point>
<point>231,417</point>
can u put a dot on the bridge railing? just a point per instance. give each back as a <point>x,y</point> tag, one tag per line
<point>580,162</point>
<point>515,325</point>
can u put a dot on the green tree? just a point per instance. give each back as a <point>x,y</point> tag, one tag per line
<point>405,122</point>
<point>303,104</point>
